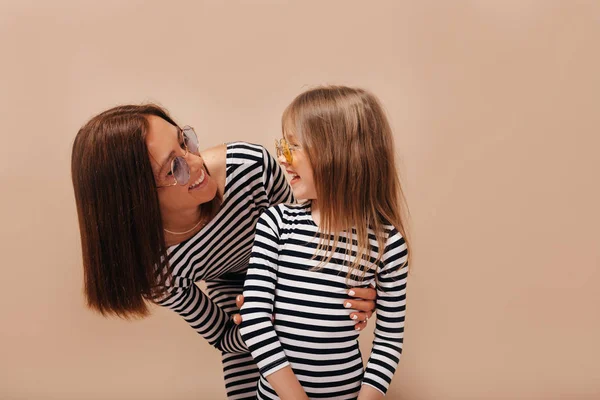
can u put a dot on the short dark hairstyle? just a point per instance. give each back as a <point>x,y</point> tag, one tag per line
<point>124,253</point>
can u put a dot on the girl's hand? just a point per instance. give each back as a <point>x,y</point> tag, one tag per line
<point>369,393</point>
<point>363,301</point>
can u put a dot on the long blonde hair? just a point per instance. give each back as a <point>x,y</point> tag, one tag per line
<point>348,140</point>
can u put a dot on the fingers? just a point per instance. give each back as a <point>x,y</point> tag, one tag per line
<point>361,316</point>
<point>362,319</point>
<point>239,301</point>
<point>363,293</point>
<point>360,326</point>
<point>360,305</point>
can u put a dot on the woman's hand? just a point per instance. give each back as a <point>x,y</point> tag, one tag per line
<point>361,299</point>
<point>239,301</point>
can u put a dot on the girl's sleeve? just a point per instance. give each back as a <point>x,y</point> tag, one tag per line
<point>259,294</point>
<point>391,309</point>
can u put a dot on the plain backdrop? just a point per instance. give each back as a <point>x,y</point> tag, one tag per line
<point>495,109</point>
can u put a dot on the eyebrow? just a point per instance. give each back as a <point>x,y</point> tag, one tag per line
<point>171,154</point>
<point>169,158</point>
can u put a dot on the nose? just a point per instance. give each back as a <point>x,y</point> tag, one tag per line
<point>282,160</point>
<point>195,162</point>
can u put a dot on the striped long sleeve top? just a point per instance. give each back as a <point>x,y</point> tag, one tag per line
<point>294,315</point>
<point>221,250</point>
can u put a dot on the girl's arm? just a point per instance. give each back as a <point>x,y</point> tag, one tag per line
<point>259,292</point>
<point>287,385</point>
<point>369,393</point>
<point>391,308</point>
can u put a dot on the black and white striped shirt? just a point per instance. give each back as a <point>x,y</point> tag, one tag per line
<point>311,330</point>
<point>221,250</point>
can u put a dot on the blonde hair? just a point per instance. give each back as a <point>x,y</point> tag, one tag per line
<point>348,140</point>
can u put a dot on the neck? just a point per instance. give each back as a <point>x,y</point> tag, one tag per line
<point>181,220</point>
<point>314,212</point>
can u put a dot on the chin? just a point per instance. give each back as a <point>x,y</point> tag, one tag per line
<point>302,192</point>
<point>301,195</point>
<point>298,193</point>
<point>207,194</point>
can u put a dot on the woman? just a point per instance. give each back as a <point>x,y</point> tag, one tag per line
<point>156,216</point>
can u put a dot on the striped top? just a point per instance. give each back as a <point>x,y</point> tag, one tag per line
<point>221,250</point>
<point>310,329</point>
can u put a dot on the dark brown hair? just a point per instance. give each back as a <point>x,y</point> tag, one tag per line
<point>123,245</point>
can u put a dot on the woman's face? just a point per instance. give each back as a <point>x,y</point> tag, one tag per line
<point>164,143</point>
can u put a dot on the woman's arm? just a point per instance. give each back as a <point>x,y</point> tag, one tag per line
<point>362,300</point>
<point>186,299</point>
<point>391,310</point>
<point>204,316</point>
<point>257,328</point>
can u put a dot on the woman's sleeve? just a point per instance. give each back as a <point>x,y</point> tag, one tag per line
<point>391,309</point>
<point>259,294</point>
<point>276,186</point>
<point>204,316</point>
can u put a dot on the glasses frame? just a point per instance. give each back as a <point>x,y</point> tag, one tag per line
<point>283,147</point>
<point>183,160</point>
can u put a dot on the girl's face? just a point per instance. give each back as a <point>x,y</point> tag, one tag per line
<point>164,142</point>
<point>300,170</point>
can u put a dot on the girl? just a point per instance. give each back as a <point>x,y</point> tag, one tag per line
<point>337,147</point>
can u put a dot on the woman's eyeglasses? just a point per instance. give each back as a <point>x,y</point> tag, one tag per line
<point>180,170</point>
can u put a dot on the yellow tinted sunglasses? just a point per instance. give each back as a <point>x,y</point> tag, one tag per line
<point>284,147</point>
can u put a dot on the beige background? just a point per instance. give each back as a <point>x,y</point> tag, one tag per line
<point>495,106</point>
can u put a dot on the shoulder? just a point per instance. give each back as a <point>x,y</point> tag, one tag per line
<point>274,213</point>
<point>215,159</point>
<point>286,213</point>
<point>393,235</point>
<point>246,153</point>
<point>248,162</point>
<point>241,161</point>
<point>395,247</point>
<point>278,212</point>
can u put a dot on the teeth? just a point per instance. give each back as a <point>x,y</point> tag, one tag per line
<point>199,181</point>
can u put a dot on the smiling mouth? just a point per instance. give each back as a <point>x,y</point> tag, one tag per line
<point>292,174</point>
<point>198,181</point>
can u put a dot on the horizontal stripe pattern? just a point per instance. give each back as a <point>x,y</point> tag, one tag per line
<point>219,255</point>
<point>294,315</point>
